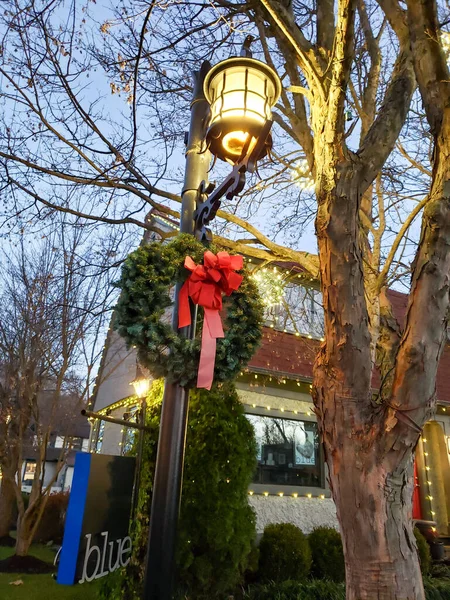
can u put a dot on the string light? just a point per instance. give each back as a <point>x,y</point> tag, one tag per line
<point>124,403</point>
<point>301,175</point>
<point>282,495</point>
<point>281,409</point>
<point>270,285</point>
<point>429,483</point>
<point>445,42</point>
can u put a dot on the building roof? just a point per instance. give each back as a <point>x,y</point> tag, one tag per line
<point>292,355</point>
<point>51,454</point>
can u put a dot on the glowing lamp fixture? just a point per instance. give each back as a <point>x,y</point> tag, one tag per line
<point>141,386</point>
<point>241,92</point>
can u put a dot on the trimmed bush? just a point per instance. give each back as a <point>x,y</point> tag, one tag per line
<point>51,525</point>
<point>216,532</point>
<point>423,550</point>
<point>327,554</point>
<point>284,553</point>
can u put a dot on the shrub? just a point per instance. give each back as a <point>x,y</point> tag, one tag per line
<point>216,531</point>
<point>293,590</point>
<point>424,552</point>
<point>51,525</point>
<point>284,553</point>
<point>328,590</point>
<point>327,554</point>
<point>436,590</point>
<point>440,571</point>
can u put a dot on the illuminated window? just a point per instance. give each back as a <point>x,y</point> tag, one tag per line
<point>99,436</point>
<point>288,452</point>
<point>30,470</point>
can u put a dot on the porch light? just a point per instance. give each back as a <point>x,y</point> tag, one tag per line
<point>241,92</point>
<point>141,386</point>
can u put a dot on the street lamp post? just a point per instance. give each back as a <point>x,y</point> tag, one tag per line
<point>230,116</point>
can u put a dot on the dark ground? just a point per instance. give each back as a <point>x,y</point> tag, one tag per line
<point>25,564</point>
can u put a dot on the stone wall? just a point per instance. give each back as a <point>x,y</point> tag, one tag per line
<point>306,513</point>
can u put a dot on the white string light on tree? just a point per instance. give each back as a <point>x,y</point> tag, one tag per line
<point>271,284</point>
<point>301,175</point>
<point>445,42</point>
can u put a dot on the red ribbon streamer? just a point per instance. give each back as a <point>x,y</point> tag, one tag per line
<point>205,287</point>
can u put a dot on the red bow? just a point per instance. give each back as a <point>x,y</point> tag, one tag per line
<point>205,287</point>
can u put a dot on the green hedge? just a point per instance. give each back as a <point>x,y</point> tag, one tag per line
<point>284,553</point>
<point>423,550</point>
<point>217,526</point>
<point>327,554</point>
<point>328,590</point>
<point>293,590</point>
<point>437,589</point>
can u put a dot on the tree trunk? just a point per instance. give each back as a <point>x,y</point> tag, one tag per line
<point>24,539</point>
<point>375,510</point>
<point>7,506</point>
<point>372,493</point>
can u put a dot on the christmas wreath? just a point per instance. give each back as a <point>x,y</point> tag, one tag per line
<point>148,277</point>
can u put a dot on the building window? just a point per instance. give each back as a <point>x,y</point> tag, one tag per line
<point>29,471</point>
<point>99,436</point>
<point>59,442</point>
<point>129,433</point>
<point>288,452</point>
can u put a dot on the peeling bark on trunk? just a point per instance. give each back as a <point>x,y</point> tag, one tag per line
<point>372,493</point>
<point>375,510</point>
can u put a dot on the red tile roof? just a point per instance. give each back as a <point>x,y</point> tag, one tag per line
<point>292,355</point>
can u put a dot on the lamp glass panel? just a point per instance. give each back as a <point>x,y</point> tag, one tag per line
<point>141,387</point>
<point>240,92</point>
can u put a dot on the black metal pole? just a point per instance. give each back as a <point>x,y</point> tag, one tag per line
<point>160,569</point>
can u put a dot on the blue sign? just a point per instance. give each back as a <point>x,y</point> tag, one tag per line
<point>96,540</point>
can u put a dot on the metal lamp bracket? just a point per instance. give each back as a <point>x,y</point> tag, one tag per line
<point>231,186</point>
